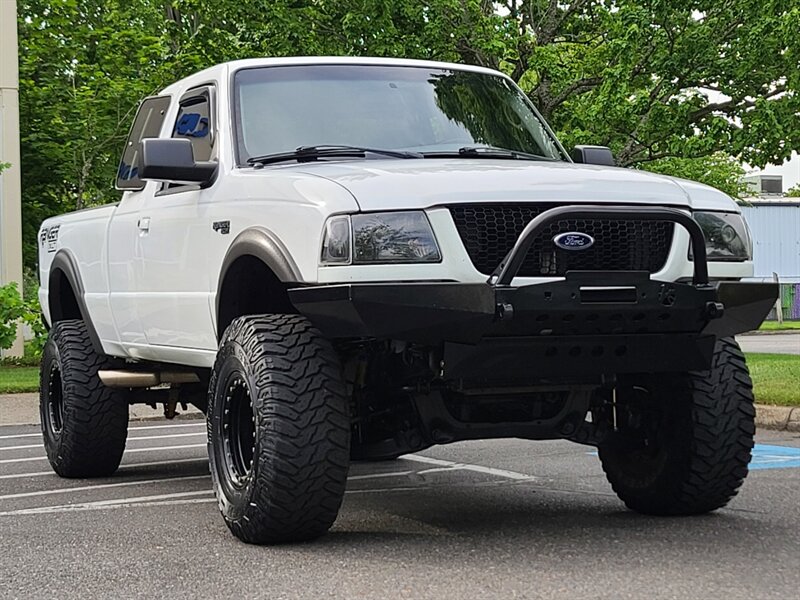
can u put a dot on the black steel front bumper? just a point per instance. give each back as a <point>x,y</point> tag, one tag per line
<point>591,322</point>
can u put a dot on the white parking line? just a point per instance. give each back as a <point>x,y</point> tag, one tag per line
<point>78,508</point>
<point>450,465</point>
<point>179,498</point>
<point>130,439</point>
<point>100,504</point>
<point>439,470</point>
<point>468,467</point>
<point>183,447</point>
<point>26,475</point>
<point>154,500</point>
<point>100,486</point>
<point>199,423</point>
<point>20,435</point>
<point>184,498</point>
<point>164,462</point>
<point>132,428</point>
<point>151,464</point>
<point>26,447</point>
<point>169,435</point>
<point>379,475</point>
<point>6,461</point>
<point>127,466</point>
<point>189,497</point>
<point>406,488</point>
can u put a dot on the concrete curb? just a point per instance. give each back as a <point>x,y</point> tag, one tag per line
<point>23,409</point>
<point>781,418</point>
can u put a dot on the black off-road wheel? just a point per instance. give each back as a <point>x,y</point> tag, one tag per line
<point>84,423</point>
<point>278,430</point>
<point>684,440</point>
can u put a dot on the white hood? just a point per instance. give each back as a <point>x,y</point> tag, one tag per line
<point>423,183</point>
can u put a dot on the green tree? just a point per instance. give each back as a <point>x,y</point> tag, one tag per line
<point>84,66</point>
<point>794,192</point>
<point>664,78</point>
<point>718,170</point>
<point>668,84</point>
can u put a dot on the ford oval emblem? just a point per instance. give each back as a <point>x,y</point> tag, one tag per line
<point>573,240</point>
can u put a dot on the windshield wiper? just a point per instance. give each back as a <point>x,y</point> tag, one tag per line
<point>485,152</point>
<point>312,153</point>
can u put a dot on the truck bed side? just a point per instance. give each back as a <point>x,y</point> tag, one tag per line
<point>73,250</point>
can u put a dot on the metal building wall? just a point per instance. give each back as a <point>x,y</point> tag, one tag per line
<point>776,239</point>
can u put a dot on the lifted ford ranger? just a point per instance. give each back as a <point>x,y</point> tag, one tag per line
<point>346,259</point>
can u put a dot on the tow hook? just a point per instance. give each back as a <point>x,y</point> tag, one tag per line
<point>505,311</point>
<point>715,310</point>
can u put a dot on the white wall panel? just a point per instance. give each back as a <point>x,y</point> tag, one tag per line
<point>776,239</point>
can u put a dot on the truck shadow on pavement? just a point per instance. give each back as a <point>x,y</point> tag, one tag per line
<point>528,520</point>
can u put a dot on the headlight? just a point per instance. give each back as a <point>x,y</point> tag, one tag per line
<point>727,236</point>
<point>371,238</point>
<point>399,237</point>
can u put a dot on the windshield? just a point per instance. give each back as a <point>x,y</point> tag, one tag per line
<point>279,109</point>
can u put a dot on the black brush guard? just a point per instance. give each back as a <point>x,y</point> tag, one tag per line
<point>590,323</point>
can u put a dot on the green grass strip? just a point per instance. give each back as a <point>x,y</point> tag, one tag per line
<point>776,378</point>
<point>15,380</point>
<point>775,326</point>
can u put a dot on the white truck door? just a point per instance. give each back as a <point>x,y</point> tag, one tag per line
<point>124,254</point>
<point>173,234</point>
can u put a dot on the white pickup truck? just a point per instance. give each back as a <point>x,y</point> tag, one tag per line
<point>351,259</point>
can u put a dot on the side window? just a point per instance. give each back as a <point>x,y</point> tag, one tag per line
<point>147,124</point>
<point>194,122</point>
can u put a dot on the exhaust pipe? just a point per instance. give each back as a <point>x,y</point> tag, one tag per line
<point>143,379</point>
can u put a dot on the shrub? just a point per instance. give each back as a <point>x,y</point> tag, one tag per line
<point>14,309</point>
<point>11,310</point>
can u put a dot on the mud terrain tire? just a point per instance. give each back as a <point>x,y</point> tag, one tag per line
<point>84,423</point>
<point>696,457</point>
<point>278,430</point>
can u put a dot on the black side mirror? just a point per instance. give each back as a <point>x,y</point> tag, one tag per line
<point>593,155</point>
<point>172,160</point>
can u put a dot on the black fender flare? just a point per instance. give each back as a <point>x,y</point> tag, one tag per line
<point>264,245</point>
<point>65,262</point>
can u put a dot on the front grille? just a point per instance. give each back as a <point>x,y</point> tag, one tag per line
<point>490,230</point>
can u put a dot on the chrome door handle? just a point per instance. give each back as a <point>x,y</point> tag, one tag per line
<point>144,225</point>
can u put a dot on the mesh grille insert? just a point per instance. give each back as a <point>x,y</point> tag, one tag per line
<point>490,230</point>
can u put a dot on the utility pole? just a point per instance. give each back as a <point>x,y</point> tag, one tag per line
<point>10,187</point>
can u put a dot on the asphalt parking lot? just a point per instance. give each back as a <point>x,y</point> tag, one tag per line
<point>495,519</point>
